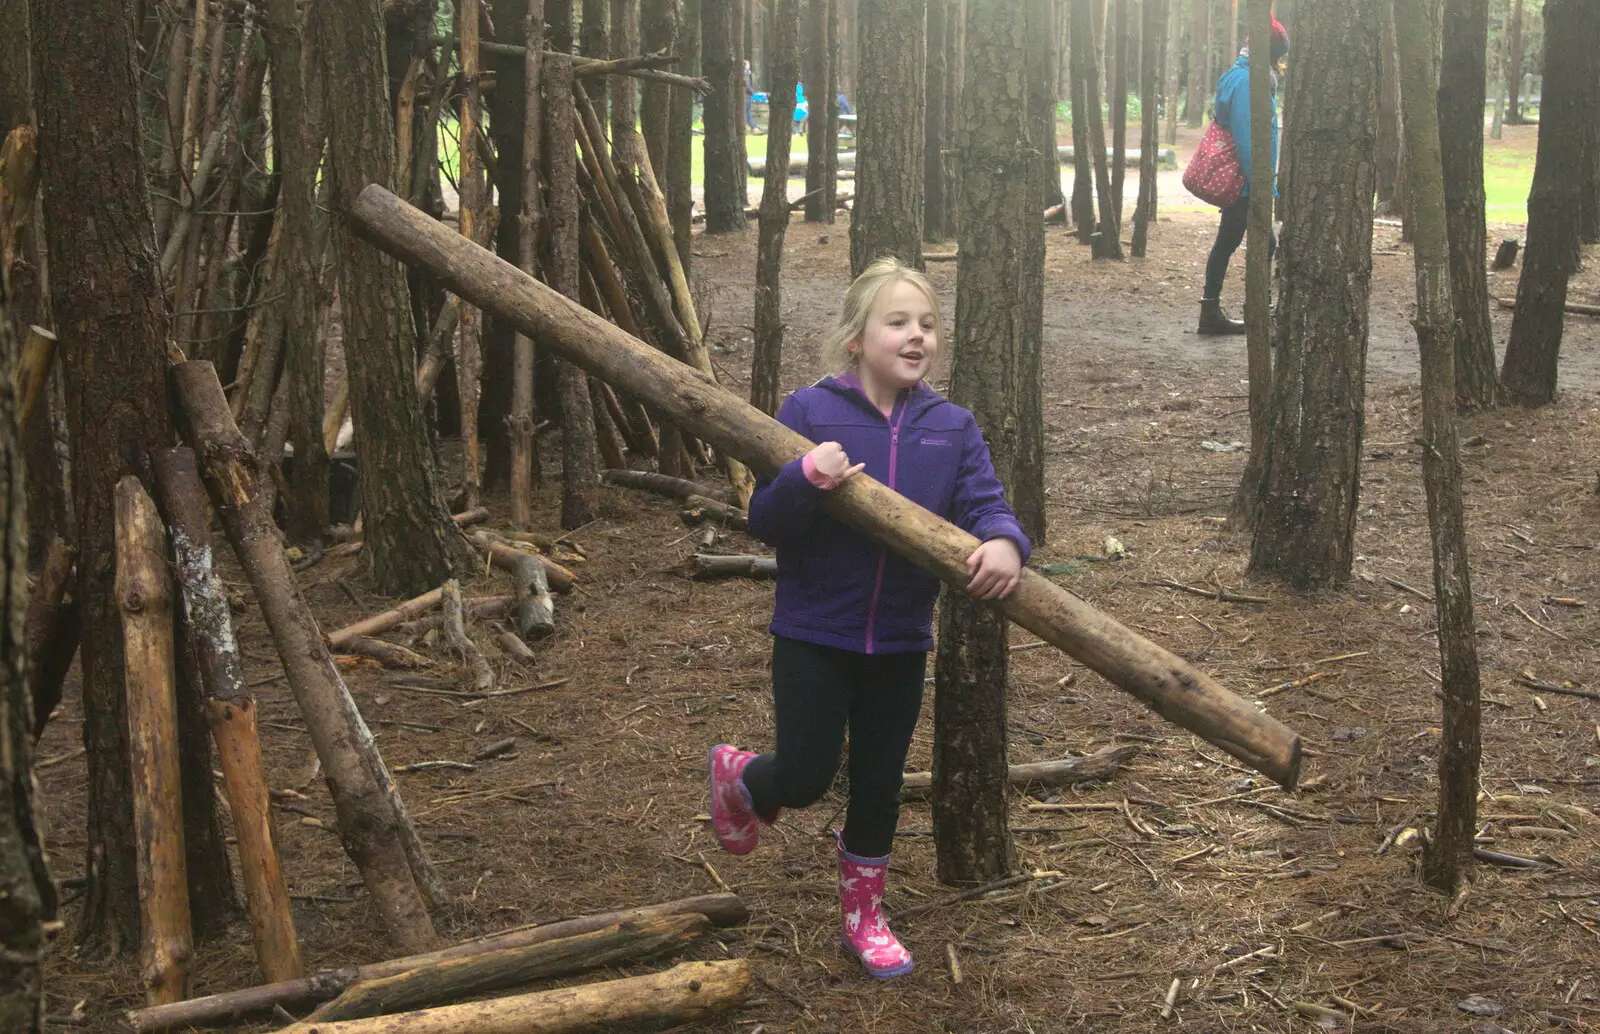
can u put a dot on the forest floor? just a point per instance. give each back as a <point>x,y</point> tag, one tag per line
<point>1195,863</point>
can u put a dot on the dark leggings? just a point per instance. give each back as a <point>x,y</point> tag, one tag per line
<point>1230,232</point>
<point>819,691</point>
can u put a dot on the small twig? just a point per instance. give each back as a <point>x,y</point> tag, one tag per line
<point>1512,861</point>
<point>968,895</point>
<point>1271,951</point>
<point>1552,687</point>
<point>713,874</point>
<point>1172,997</point>
<point>1120,933</point>
<point>954,962</point>
<point>1281,687</point>
<point>427,766</point>
<point>1534,622</point>
<point>1224,595</point>
<point>1403,587</point>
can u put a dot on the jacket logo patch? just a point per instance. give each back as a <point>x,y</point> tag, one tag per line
<point>936,441</point>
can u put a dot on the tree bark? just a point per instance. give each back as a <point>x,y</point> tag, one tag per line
<point>1199,84</point>
<point>935,221</point>
<point>412,544</point>
<point>1167,683</point>
<point>658,33</point>
<point>372,823</point>
<point>766,363</point>
<point>108,302</point>
<point>1081,61</point>
<point>580,458</point>
<point>595,43</point>
<point>144,595</point>
<point>1514,72</point>
<point>1043,61</point>
<point>1534,348</point>
<point>1450,854</point>
<point>524,452</point>
<point>1305,499</point>
<point>1117,102</point>
<point>27,896</point>
<point>997,356</point>
<point>822,119</point>
<point>723,115</point>
<point>1173,56</point>
<point>886,218</point>
<point>677,171</point>
<point>51,632</point>
<point>1152,43</point>
<point>1461,100</point>
<point>1108,240</point>
<point>473,201</point>
<point>230,710</point>
<point>1390,143</point>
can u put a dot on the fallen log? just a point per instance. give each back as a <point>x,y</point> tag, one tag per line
<point>687,992</point>
<point>1101,765</point>
<point>507,558</point>
<point>455,632</point>
<point>699,509</point>
<point>377,624</point>
<point>724,910</point>
<point>230,712</point>
<point>703,567</point>
<point>455,979</point>
<point>51,632</point>
<point>1165,682</point>
<point>661,484</point>
<point>166,944</point>
<point>391,655</point>
<point>1576,308</point>
<point>373,825</point>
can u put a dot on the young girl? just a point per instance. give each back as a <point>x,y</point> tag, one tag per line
<point>852,625</point>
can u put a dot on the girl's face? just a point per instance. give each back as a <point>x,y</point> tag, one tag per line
<point>898,345</point>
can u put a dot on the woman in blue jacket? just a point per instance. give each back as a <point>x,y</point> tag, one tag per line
<point>1232,110</point>
<point>853,622</point>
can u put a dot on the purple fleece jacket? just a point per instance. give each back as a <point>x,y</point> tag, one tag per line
<point>836,587</point>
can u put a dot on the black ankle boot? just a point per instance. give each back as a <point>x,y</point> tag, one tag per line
<point>1213,320</point>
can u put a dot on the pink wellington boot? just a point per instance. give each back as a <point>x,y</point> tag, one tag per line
<point>733,814</point>
<point>866,935</point>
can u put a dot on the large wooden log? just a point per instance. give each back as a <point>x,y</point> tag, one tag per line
<point>455,979</point>
<point>373,825</point>
<point>230,712</point>
<point>1163,681</point>
<point>722,909</point>
<point>144,596</point>
<point>685,993</point>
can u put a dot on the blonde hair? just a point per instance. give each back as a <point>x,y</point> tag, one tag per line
<point>858,302</point>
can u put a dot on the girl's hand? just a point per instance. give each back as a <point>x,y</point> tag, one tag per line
<point>831,464</point>
<point>994,568</point>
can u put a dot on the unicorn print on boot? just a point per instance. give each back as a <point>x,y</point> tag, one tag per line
<point>865,933</point>
<point>733,815</point>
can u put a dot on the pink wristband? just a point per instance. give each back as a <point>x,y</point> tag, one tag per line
<point>815,476</point>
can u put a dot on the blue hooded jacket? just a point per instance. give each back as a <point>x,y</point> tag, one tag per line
<point>836,587</point>
<point>1232,109</point>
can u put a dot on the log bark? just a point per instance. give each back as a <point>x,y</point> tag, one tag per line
<point>509,559</point>
<point>1167,684</point>
<point>389,655</point>
<point>378,624</point>
<point>373,826</point>
<point>33,372</point>
<point>661,484</point>
<point>144,596</point>
<point>524,445</point>
<point>1533,350</point>
<point>51,633</point>
<point>766,362</point>
<point>481,676</point>
<point>887,216</point>
<point>1449,859</point>
<point>1093,768</point>
<point>230,711</point>
<point>456,979</point>
<point>688,992</point>
<point>703,567</point>
<point>723,910</point>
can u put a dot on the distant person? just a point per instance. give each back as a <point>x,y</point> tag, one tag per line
<point>844,106</point>
<point>1232,110</point>
<point>853,621</point>
<point>802,108</point>
<point>749,99</point>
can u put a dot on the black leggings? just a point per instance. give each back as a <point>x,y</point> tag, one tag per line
<point>1230,232</point>
<point>818,691</point>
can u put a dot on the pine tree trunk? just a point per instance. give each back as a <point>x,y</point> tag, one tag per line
<point>1199,62</point>
<point>1390,143</point>
<point>954,58</point>
<point>297,150</point>
<point>27,897</point>
<point>412,544</point>
<point>1152,44</point>
<point>1117,101</point>
<point>934,203</point>
<point>1449,858</point>
<point>886,219</point>
<point>1461,100</point>
<point>595,42</point>
<point>1108,233</point>
<point>723,115</point>
<point>1081,63</point>
<point>1514,72</point>
<point>624,89</point>
<point>996,359</point>
<point>766,364</point>
<point>657,33</point>
<point>1305,499</point>
<point>105,286</point>
<point>678,171</point>
<point>1173,55</point>
<point>822,119</point>
<point>1534,348</point>
<point>1042,63</point>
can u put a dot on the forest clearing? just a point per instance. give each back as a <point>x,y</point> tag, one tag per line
<point>374,602</point>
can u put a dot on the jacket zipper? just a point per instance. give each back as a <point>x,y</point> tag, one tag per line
<point>883,554</point>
